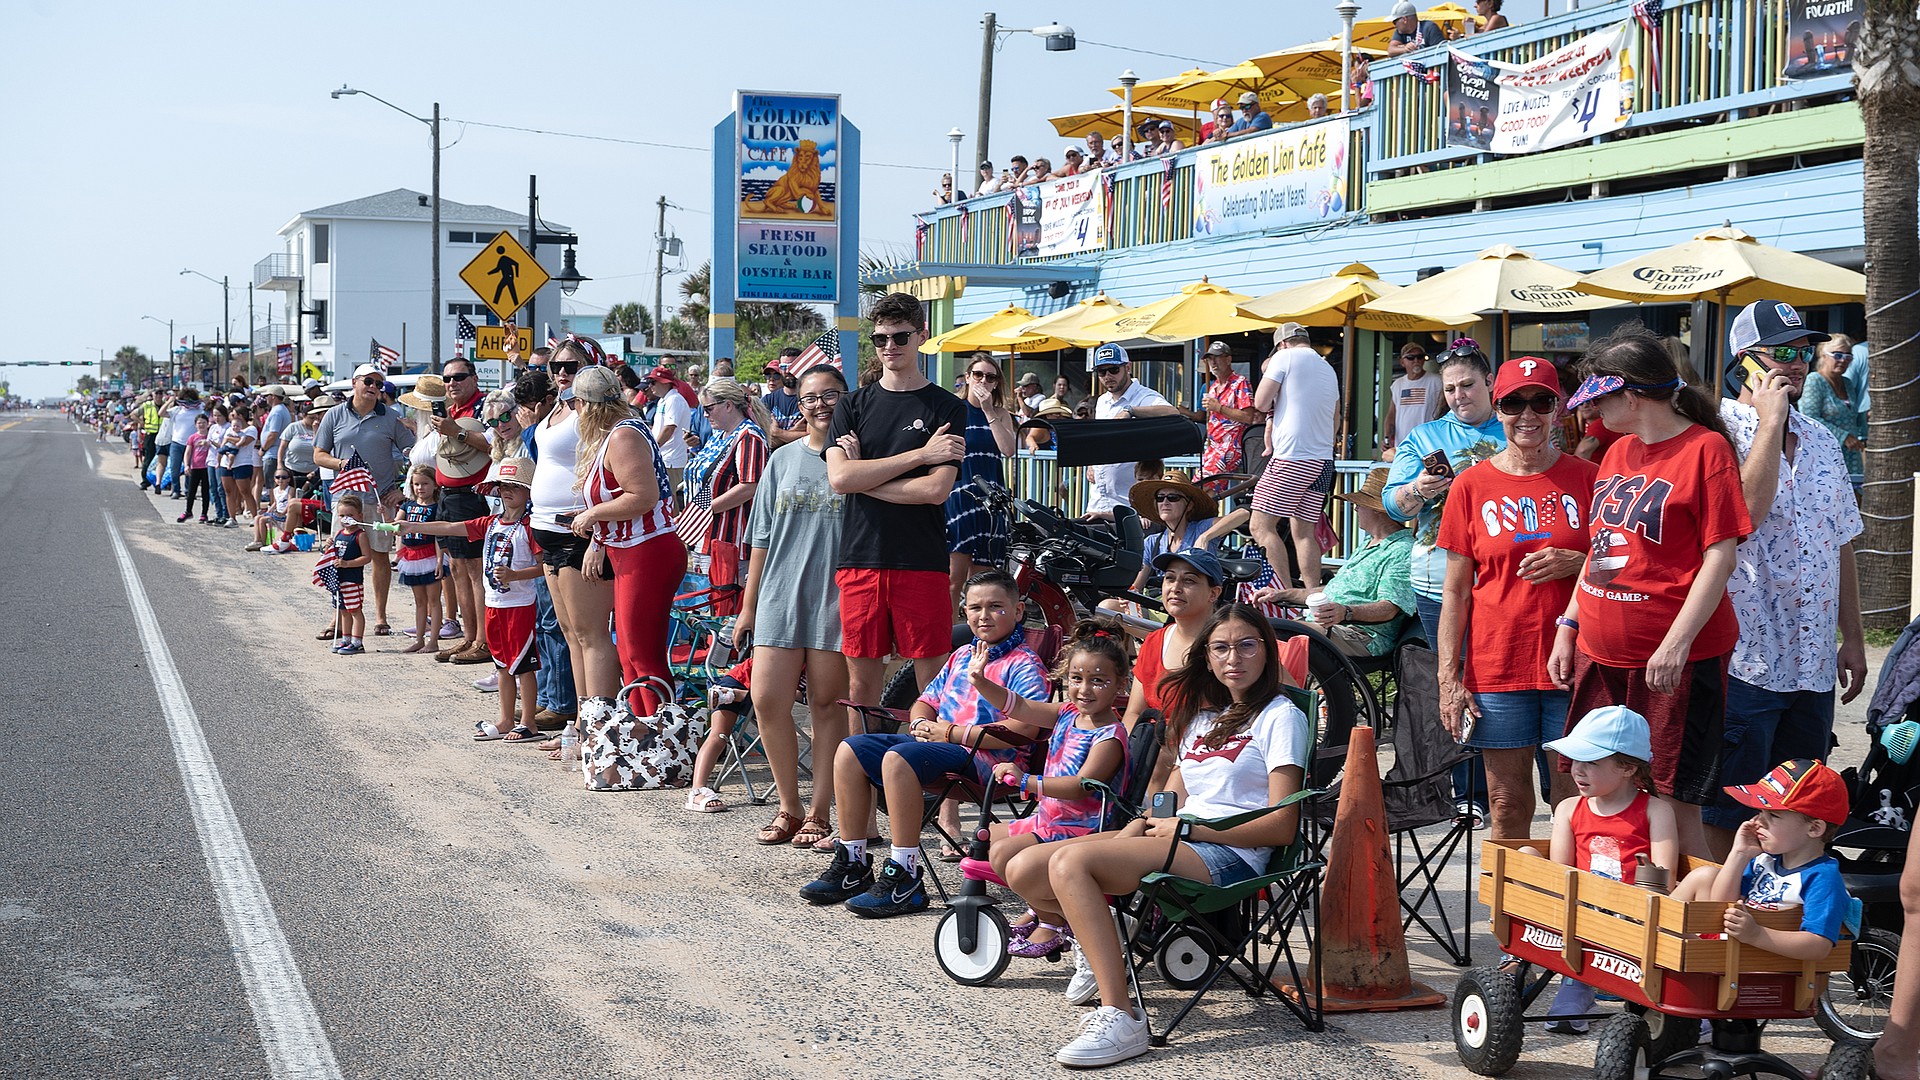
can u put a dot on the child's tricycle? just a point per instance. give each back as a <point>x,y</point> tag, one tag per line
<point>1670,962</point>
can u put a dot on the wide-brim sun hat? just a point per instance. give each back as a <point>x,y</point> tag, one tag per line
<point>1201,505</point>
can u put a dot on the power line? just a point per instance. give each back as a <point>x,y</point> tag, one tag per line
<point>1150,52</point>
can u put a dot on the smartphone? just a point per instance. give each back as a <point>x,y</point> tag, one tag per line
<point>1437,464</point>
<point>565,520</point>
<point>1756,373</point>
<point>440,410</point>
<point>1163,804</point>
<point>1466,726</point>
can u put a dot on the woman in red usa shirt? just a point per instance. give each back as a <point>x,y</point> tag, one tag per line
<point>1649,625</point>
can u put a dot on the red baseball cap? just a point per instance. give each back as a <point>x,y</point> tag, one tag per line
<point>1523,372</point>
<point>1803,786</point>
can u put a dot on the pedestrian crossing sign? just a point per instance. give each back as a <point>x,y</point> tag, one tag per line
<point>504,275</point>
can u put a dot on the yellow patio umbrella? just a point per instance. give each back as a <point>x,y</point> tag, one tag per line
<point>1502,278</point>
<point>1339,300</point>
<point>1376,33</point>
<point>1152,93</point>
<point>1067,325</point>
<point>985,334</point>
<point>1201,309</point>
<point>1728,266</point>
<point>1313,62</point>
<point>1108,122</point>
<point>1282,100</point>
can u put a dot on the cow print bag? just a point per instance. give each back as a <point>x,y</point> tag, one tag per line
<point>623,752</point>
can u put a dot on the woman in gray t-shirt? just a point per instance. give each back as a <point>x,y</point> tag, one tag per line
<point>794,539</point>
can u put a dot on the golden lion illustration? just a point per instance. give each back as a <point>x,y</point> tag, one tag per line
<point>801,181</point>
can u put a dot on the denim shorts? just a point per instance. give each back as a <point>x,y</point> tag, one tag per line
<point>1518,719</point>
<point>1224,863</point>
<point>930,761</point>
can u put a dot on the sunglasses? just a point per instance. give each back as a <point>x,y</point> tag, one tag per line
<point>1786,354</point>
<point>1106,371</point>
<point>565,367</point>
<point>501,421</point>
<point>373,380</point>
<point>710,406</point>
<point>1514,404</point>
<point>462,377</point>
<point>984,376</point>
<point>895,339</point>
<point>282,476</point>
<point>1169,496</point>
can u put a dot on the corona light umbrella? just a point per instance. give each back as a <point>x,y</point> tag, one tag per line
<point>1731,268</point>
<point>985,334</point>
<point>1201,309</point>
<point>1377,33</point>
<point>1340,301</point>
<point>1282,100</point>
<point>1068,324</point>
<point>1502,278</point>
<point>1153,93</point>
<point>1108,121</point>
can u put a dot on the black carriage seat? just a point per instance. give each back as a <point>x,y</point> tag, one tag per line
<point>1241,570</point>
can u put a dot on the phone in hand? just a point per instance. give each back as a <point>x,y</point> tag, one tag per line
<point>1163,804</point>
<point>565,520</point>
<point>1437,464</point>
<point>440,410</point>
<point>1756,373</point>
<point>1466,726</point>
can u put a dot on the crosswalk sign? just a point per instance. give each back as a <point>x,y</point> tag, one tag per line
<point>504,276</point>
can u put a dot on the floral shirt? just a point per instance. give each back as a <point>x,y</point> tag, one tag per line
<point>1837,415</point>
<point>1222,452</point>
<point>1786,578</point>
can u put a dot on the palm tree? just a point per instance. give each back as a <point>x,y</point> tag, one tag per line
<point>1887,82</point>
<point>627,318</point>
<point>132,364</point>
<point>753,320</point>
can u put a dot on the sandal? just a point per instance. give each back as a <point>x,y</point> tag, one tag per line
<point>381,629</point>
<point>812,833</point>
<point>521,733</point>
<point>949,854</point>
<point>780,829</point>
<point>324,635</point>
<point>705,800</point>
<point>1038,950</point>
<point>1020,929</point>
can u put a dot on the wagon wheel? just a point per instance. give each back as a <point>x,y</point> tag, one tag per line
<point>1623,1053</point>
<point>1486,1021</point>
<point>1666,1035</point>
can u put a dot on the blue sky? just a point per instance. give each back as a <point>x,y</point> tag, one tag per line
<point>148,138</point>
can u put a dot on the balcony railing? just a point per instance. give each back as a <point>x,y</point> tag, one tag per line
<point>277,272</point>
<point>1719,58</point>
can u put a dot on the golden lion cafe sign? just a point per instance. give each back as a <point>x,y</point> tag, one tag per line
<point>787,158</point>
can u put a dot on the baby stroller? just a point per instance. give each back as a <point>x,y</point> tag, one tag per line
<point>1872,846</point>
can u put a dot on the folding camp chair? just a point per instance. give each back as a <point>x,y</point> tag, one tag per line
<point>745,743</point>
<point>1418,791</point>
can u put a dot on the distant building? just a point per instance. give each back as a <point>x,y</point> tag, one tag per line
<point>360,271</point>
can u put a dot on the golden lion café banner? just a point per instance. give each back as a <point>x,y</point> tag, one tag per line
<point>787,159</point>
<point>1293,177</point>
<point>1582,89</point>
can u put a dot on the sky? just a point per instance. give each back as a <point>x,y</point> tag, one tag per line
<point>150,138</point>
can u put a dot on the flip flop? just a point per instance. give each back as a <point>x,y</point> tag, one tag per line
<point>949,854</point>
<point>485,732</point>
<point>521,733</point>
<point>324,635</point>
<point>381,629</point>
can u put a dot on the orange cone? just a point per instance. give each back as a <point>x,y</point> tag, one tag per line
<point>1363,949</point>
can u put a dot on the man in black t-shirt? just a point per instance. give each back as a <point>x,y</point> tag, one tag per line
<point>895,450</point>
<point>1410,31</point>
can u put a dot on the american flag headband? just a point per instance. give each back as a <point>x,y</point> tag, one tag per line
<point>586,345</point>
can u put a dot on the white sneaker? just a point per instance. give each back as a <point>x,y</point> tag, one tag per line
<point>1107,1036</point>
<point>1083,987</point>
<point>488,685</point>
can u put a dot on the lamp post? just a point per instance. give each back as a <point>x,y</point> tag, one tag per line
<point>954,137</point>
<point>569,278</point>
<point>1058,38</point>
<point>168,351</point>
<point>433,131</point>
<point>1127,79</point>
<point>1348,10</point>
<point>226,324</point>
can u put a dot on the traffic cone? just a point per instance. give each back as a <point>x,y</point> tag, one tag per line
<point>1363,949</point>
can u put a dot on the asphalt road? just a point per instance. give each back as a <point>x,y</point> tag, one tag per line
<point>431,907</point>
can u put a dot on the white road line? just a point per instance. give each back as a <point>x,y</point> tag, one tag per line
<point>290,1031</point>
<point>92,466</point>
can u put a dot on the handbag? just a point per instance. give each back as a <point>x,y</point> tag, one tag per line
<point>623,752</point>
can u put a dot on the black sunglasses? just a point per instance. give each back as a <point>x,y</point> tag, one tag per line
<point>372,380</point>
<point>895,339</point>
<point>461,377</point>
<point>564,367</point>
<point>1514,404</point>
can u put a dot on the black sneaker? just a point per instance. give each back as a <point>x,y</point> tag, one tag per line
<point>894,892</point>
<point>843,878</point>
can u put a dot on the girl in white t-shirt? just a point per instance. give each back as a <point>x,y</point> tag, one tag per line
<point>1239,745</point>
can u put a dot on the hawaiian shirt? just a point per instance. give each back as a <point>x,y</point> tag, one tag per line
<point>1786,576</point>
<point>1222,452</point>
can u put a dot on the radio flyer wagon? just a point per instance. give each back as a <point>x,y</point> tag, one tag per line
<point>1670,962</point>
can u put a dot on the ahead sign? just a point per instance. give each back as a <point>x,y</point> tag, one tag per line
<point>504,276</point>
<point>490,342</point>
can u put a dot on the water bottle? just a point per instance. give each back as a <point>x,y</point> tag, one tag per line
<point>570,743</point>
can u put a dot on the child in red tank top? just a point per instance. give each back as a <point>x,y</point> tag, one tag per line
<point>1612,821</point>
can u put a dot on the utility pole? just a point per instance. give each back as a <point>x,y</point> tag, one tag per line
<point>250,352</point>
<point>533,249</point>
<point>659,269</point>
<point>990,25</point>
<point>438,315</point>
<point>226,338</point>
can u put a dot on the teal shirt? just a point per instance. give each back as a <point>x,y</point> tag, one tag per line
<point>1464,445</point>
<point>1378,571</point>
<point>1836,414</point>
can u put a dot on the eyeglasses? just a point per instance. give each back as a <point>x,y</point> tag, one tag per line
<point>461,377</point>
<point>1245,648</point>
<point>1514,404</point>
<point>985,376</point>
<point>828,397</point>
<point>1785,354</point>
<point>895,339</point>
<point>372,380</point>
<point>1169,496</point>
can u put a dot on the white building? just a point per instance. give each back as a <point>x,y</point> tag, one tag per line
<point>360,273</point>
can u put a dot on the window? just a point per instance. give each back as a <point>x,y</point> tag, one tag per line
<point>478,313</point>
<point>319,318</point>
<point>321,235</point>
<point>461,238</point>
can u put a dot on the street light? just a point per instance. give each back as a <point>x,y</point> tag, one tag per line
<point>1058,38</point>
<point>433,130</point>
<point>954,137</point>
<point>1127,80</point>
<point>226,324</point>
<point>169,349</point>
<point>1348,10</point>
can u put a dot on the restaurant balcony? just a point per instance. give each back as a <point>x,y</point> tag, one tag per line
<point>1721,108</point>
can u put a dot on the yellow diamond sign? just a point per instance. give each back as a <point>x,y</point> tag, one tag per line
<point>504,276</point>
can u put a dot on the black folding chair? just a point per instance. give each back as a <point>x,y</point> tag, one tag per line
<point>1418,792</point>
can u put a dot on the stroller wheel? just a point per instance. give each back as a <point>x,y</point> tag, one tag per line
<point>1854,1008</point>
<point>1848,1061</point>
<point>1184,959</point>
<point>988,957</point>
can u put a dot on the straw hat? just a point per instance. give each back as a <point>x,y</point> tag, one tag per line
<point>1141,495</point>
<point>1369,493</point>
<point>428,391</point>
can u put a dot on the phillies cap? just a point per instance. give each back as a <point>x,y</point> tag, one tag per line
<point>1803,786</point>
<point>1522,372</point>
<point>1108,355</point>
<point>1604,732</point>
<point>1768,322</point>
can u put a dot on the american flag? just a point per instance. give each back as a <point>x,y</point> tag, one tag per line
<point>553,339</point>
<point>355,477</point>
<point>920,238</point>
<point>1166,186</point>
<point>465,331</point>
<point>326,572</point>
<point>1106,197</point>
<point>1647,14</point>
<point>1013,224</point>
<point>1425,73</point>
<point>382,357</point>
<point>824,350</point>
<point>966,227</point>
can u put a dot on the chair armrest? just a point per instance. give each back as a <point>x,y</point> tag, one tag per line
<point>1235,820</point>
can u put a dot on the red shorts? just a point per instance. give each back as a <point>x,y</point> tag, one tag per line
<point>1687,726</point>
<point>510,639</point>
<point>884,612</point>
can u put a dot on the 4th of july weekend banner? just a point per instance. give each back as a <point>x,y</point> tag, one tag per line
<point>788,163</point>
<point>1572,94</point>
